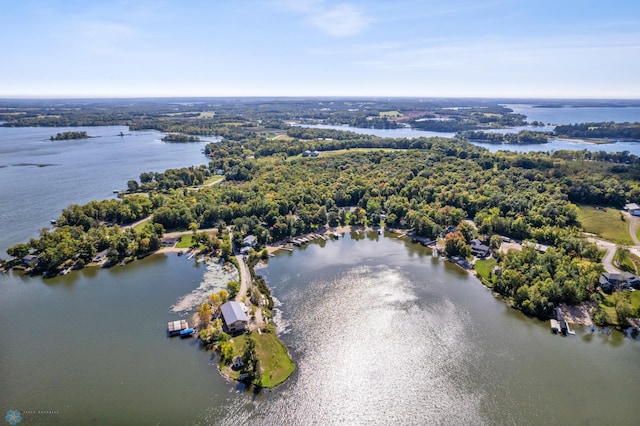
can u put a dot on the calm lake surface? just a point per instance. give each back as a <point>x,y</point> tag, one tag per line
<point>381,333</point>
<point>41,177</point>
<point>565,115</point>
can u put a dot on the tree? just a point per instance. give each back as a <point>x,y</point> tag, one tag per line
<point>19,250</point>
<point>204,314</point>
<point>132,186</point>
<point>224,296</point>
<point>455,245</point>
<point>624,310</point>
<point>233,287</point>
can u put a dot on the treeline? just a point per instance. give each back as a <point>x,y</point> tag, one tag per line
<point>69,135</point>
<point>605,130</point>
<point>169,179</point>
<point>465,119</point>
<point>180,137</point>
<point>72,247</point>
<point>210,127</point>
<point>524,137</point>
<point>95,213</point>
<point>429,186</point>
<point>537,282</point>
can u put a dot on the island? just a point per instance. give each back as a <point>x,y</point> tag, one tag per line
<point>180,138</point>
<point>69,136</point>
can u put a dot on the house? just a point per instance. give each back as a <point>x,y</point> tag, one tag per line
<point>541,248</point>
<point>633,209</point>
<point>306,153</point>
<point>478,249</point>
<point>30,260</point>
<point>619,281</point>
<point>100,256</point>
<point>234,318</point>
<point>237,362</point>
<point>249,241</point>
<point>315,153</point>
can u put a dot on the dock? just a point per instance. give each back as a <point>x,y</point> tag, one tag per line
<point>555,326</point>
<point>175,327</point>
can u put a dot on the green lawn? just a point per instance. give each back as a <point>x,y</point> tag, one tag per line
<point>186,241</point>
<point>212,180</point>
<point>275,364</point>
<point>631,263</point>
<point>605,223</point>
<point>484,268</point>
<point>274,359</point>
<point>138,227</point>
<point>609,305</point>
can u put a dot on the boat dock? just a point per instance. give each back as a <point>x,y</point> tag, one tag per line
<point>555,326</point>
<point>175,327</point>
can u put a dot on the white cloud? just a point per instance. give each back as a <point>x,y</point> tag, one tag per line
<point>339,21</point>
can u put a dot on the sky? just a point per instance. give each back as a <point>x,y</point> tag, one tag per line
<point>425,48</point>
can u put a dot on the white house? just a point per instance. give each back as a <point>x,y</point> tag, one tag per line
<point>234,317</point>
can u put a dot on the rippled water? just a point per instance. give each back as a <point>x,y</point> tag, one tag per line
<point>381,333</point>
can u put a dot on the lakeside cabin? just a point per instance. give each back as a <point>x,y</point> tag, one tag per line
<point>234,317</point>
<point>176,327</point>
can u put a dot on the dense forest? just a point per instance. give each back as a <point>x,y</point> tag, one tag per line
<point>424,185</point>
<point>608,130</point>
<point>524,137</point>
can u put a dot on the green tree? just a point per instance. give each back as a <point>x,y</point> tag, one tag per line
<point>19,250</point>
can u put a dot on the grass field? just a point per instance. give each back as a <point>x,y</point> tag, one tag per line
<point>212,180</point>
<point>605,223</point>
<point>275,364</point>
<point>609,305</point>
<point>390,114</point>
<point>186,241</point>
<point>484,267</point>
<point>283,137</point>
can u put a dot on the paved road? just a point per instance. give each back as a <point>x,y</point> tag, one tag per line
<point>607,260</point>
<point>245,278</point>
<point>633,220</point>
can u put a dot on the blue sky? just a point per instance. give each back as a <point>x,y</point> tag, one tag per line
<point>459,48</point>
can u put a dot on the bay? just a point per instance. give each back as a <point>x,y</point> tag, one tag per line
<point>381,332</point>
<point>41,177</point>
<point>549,116</point>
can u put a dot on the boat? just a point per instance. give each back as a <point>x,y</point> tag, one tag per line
<point>116,191</point>
<point>53,222</point>
<point>187,332</point>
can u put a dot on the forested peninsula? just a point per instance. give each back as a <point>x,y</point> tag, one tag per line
<point>434,188</point>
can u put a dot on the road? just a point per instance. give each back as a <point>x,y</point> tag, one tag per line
<point>245,278</point>
<point>607,260</point>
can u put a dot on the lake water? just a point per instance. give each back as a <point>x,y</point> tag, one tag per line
<point>566,115</point>
<point>40,177</point>
<point>572,115</point>
<point>381,333</point>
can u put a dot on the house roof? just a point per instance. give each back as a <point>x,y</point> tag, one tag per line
<point>249,240</point>
<point>631,206</point>
<point>232,312</point>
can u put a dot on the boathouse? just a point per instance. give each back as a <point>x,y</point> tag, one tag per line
<point>235,319</point>
<point>175,327</point>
